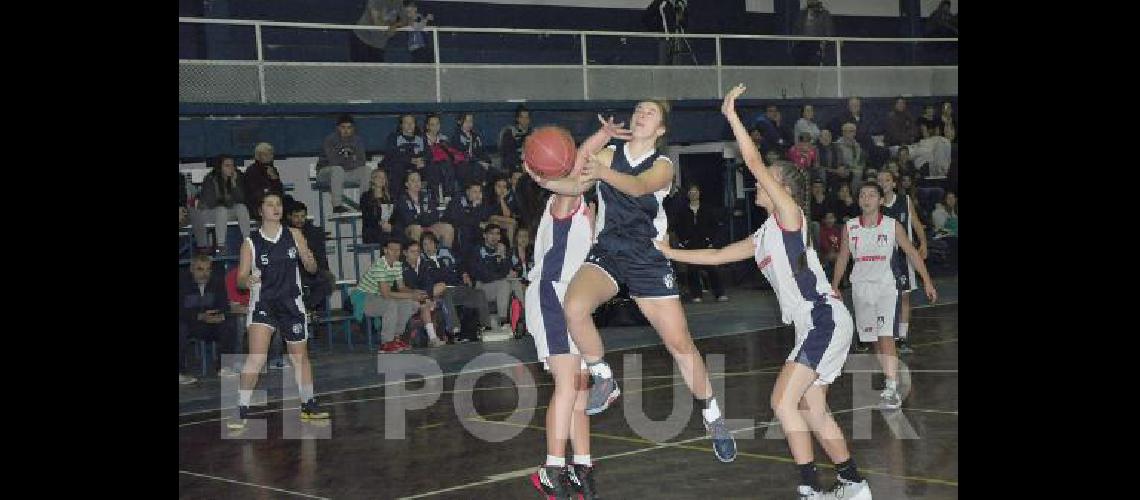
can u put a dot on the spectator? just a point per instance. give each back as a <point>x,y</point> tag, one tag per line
<point>854,115</point>
<point>491,268</point>
<point>522,255</point>
<point>417,276</point>
<point>906,166</point>
<point>819,201</point>
<point>759,135</point>
<point>843,204</point>
<point>404,151</point>
<point>417,42</point>
<point>369,45</point>
<point>453,286</point>
<point>442,158</point>
<point>698,226</point>
<point>851,152</point>
<point>946,119</point>
<point>826,151</point>
<point>511,141</point>
<point>806,124</point>
<point>503,210</point>
<point>945,216</point>
<point>467,214</point>
<point>803,154</point>
<point>901,128</point>
<point>223,199</point>
<point>377,208</point>
<point>829,234</point>
<point>315,287</point>
<point>343,161</point>
<point>417,208</point>
<point>183,201</point>
<point>468,140</point>
<point>814,20</point>
<point>385,296</point>
<point>202,306</point>
<point>932,156</point>
<point>784,137</point>
<point>927,119</point>
<point>942,23</point>
<point>263,177</point>
<point>839,176</point>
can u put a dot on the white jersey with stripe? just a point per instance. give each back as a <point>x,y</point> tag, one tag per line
<point>872,248</point>
<point>561,244</point>
<point>623,216</point>
<point>779,255</point>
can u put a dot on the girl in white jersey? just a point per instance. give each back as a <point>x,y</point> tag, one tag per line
<point>871,240</point>
<point>563,238</point>
<point>822,323</point>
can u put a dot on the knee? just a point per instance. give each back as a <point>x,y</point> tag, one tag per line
<point>681,346</point>
<point>577,310</point>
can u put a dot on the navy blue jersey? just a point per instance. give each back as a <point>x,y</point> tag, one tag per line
<point>625,216</point>
<point>900,211</point>
<point>277,262</point>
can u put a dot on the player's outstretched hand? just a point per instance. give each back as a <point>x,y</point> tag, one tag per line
<point>615,130</point>
<point>729,105</point>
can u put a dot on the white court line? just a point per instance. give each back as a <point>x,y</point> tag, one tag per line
<point>523,472</point>
<point>250,484</point>
<point>640,346</point>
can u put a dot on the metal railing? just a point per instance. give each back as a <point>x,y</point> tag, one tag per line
<point>259,79</point>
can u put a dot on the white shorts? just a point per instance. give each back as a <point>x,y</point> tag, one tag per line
<point>875,307</point>
<point>823,337</point>
<point>546,322</point>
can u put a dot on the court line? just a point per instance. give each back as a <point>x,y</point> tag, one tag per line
<point>678,444</point>
<point>385,384</point>
<point>250,484</point>
<point>769,369</point>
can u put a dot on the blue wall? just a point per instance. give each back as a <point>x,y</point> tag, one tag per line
<point>298,130</point>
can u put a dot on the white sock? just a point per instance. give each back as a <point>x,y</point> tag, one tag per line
<point>600,369</point>
<point>583,460</point>
<point>553,461</point>
<point>892,384</point>
<point>306,392</point>
<point>244,397</point>
<point>902,329</point>
<point>430,327</point>
<point>712,412</point>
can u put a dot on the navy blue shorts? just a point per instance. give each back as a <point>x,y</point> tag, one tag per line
<point>285,316</point>
<point>638,264</point>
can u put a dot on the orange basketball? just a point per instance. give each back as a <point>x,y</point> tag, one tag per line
<point>550,152</point>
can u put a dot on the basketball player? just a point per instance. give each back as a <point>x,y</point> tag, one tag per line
<point>268,268</point>
<point>632,178</point>
<point>562,240</point>
<point>901,208</point>
<point>872,239</point>
<point>822,323</point>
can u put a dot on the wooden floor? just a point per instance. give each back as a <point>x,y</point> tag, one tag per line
<point>912,453</point>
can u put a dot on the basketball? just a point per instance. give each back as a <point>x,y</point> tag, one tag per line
<point>550,152</point>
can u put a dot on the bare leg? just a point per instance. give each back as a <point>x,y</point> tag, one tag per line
<point>589,288</point>
<point>791,384</point>
<point>668,319</point>
<point>564,367</point>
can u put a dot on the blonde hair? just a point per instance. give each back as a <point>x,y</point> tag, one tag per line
<point>262,147</point>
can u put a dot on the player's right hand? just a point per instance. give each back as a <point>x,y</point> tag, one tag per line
<point>931,293</point>
<point>615,130</point>
<point>662,246</point>
<point>729,105</point>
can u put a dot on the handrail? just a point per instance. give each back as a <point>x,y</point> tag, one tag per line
<point>528,31</point>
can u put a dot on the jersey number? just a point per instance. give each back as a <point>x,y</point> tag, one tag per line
<point>856,240</point>
<point>265,259</point>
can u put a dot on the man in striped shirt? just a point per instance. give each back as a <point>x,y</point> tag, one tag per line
<point>387,297</point>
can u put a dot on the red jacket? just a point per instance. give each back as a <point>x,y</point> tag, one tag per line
<point>232,291</point>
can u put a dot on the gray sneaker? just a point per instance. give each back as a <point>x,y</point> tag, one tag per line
<point>845,490</point>
<point>602,394</point>
<point>724,445</point>
<point>890,399</point>
<point>808,493</point>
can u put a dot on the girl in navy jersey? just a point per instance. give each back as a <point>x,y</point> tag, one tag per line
<point>268,268</point>
<point>632,179</point>
<point>822,323</point>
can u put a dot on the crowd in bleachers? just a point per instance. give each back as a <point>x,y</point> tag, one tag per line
<point>455,250</point>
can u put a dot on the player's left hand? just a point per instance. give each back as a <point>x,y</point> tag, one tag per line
<point>615,130</point>
<point>729,104</point>
<point>594,169</point>
<point>931,293</point>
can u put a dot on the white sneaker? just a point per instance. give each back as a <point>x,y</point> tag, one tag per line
<point>186,379</point>
<point>227,372</point>
<point>890,399</point>
<point>846,490</point>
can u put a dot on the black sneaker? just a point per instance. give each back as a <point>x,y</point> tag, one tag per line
<point>603,392</point>
<point>552,482</point>
<point>861,346</point>
<point>243,416</point>
<point>582,479</point>
<point>310,410</point>
<point>340,209</point>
